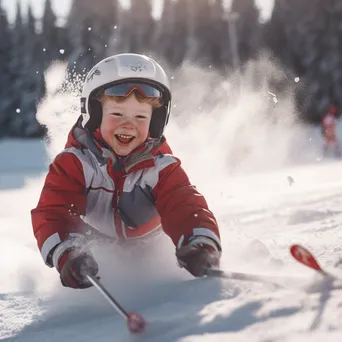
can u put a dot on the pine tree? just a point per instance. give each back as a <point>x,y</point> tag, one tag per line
<point>219,42</point>
<point>119,40</point>
<point>200,29</point>
<point>321,58</point>
<point>165,30</point>
<point>5,57</point>
<point>90,25</point>
<point>248,28</point>
<point>50,35</point>
<point>142,33</point>
<point>33,86</point>
<point>308,42</point>
<point>288,27</point>
<point>172,32</point>
<point>16,69</point>
<point>181,31</point>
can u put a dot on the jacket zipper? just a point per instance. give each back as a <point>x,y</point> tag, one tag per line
<point>117,219</point>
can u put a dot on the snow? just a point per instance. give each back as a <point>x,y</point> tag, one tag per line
<point>20,159</point>
<point>34,307</point>
<point>260,215</point>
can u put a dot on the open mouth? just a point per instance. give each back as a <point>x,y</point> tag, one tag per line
<point>124,139</point>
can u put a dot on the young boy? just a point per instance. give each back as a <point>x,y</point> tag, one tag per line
<point>117,179</point>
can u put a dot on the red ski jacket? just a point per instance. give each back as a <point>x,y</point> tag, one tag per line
<point>329,123</point>
<point>90,191</point>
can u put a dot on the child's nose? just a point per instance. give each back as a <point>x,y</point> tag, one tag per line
<point>128,123</point>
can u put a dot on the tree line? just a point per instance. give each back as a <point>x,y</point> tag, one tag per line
<point>303,36</point>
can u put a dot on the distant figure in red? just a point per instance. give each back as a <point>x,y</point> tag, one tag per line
<point>329,123</point>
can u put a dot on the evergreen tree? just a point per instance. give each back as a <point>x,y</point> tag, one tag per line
<point>5,80</point>
<point>308,42</point>
<point>200,29</point>
<point>219,42</point>
<point>33,86</point>
<point>248,28</point>
<point>119,40</point>
<point>321,59</point>
<point>180,32</point>
<point>335,95</point>
<point>50,35</point>
<point>164,41</point>
<point>288,27</point>
<point>141,33</point>
<point>90,25</point>
<point>172,32</point>
<point>16,70</point>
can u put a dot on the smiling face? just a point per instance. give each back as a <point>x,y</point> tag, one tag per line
<point>125,122</point>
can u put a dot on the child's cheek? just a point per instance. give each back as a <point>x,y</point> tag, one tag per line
<point>112,124</point>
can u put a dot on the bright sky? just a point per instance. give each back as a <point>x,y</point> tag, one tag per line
<point>63,6</point>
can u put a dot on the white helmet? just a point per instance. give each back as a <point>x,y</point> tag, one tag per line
<point>122,68</point>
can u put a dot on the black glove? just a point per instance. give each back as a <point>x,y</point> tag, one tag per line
<point>74,266</point>
<point>198,255</point>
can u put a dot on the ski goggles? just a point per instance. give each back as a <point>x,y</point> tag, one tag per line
<point>126,89</point>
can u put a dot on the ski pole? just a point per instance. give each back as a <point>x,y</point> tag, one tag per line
<point>249,277</point>
<point>135,322</point>
<point>305,257</point>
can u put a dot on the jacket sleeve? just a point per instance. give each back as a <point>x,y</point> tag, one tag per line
<point>62,201</point>
<point>183,210</point>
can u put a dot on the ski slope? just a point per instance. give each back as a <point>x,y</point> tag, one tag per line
<point>263,177</point>
<point>260,207</point>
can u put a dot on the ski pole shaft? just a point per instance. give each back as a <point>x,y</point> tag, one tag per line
<point>277,281</point>
<point>108,296</point>
<point>135,322</point>
<point>238,276</point>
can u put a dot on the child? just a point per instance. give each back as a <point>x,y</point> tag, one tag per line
<point>329,123</point>
<point>117,179</point>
